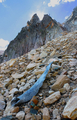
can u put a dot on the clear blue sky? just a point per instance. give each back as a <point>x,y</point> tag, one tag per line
<point>14,14</point>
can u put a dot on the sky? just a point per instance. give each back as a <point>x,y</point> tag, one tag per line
<point>14,15</point>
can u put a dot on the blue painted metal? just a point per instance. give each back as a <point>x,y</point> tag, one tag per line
<point>26,96</point>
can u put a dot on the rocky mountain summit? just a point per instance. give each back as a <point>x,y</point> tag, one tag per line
<point>34,35</point>
<point>37,33</point>
<point>57,97</point>
<point>71,22</point>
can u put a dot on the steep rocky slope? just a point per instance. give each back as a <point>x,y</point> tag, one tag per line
<point>35,34</point>
<point>71,22</point>
<point>19,74</point>
<point>1,53</point>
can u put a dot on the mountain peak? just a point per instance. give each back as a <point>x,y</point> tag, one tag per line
<point>71,22</point>
<point>34,19</point>
<point>75,11</point>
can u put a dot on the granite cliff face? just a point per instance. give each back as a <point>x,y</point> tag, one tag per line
<point>34,35</point>
<point>71,22</point>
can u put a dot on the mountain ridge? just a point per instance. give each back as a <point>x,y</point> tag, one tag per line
<point>36,33</point>
<point>32,36</point>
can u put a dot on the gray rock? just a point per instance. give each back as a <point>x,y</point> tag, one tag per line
<point>20,115</point>
<point>71,22</point>
<point>8,118</point>
<point>55,113</point>
<point>2,105</point>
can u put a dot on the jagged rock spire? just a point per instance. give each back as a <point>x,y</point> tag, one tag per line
<point>35,19</point>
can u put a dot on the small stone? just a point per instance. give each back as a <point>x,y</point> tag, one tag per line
<point>22,83</point>
<point>54,74</point>
<point>39,71</point>
<point>55,67</point>
<point>46,115</point>
<point>13,91</point>
<point>75,76</point>
<point>26,109</point>
<point>73,62</point>
<point>16,75</point>
<point>55,113</point>
<point>51,92</point>
<point>43,54</point>
<point>38,117</point>
<point>63,102</point>
<point>1,113</point>
<point>15,110</point>
<point>40,94</point>
<point>53,53</point>
<point>8,81</point>
<point>67,86</point>
<point>39,103</point>
<point>52,81</point>
<point>1,97</point>
<point>28,116</point>
<point>2,105</point>
<point>58,117</point>
<point>74,90</point>
<point>1,76</point>
<point>1,86</point>
<point>20,115</point>
<point>23,88</point>
<point>52,98</point>
<point>62,90</point>
<point>44,85</point>
<point>11,62</point>
<point>10,97</point>
<point>8,109</point>
<point>31,66</point>
<point>8,117</point>
<point>53,59</point>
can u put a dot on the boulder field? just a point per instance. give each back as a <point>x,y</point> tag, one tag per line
<point>57,98</point>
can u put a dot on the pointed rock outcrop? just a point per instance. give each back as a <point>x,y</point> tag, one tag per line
<point>71,22</point>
